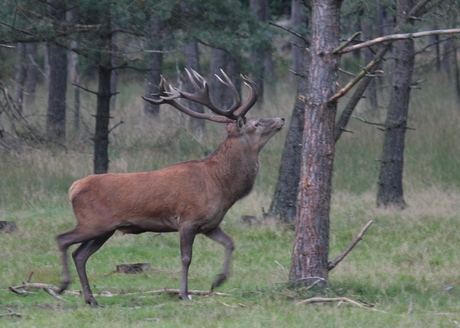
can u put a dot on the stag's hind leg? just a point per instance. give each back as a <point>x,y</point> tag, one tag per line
<point>221,237</point>
<point>65,240</point>
<point>81,256</point>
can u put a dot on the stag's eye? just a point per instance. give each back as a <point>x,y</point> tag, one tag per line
<point>257,124</point>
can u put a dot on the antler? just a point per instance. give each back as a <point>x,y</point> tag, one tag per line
<point>169,95</point>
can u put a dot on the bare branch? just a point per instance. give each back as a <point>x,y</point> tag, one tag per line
<point>11,314</point>
<point>367,122</point>
<point>396,37</point>
<point>340,300</point>
<point>290,31</point>
<point>378,57</point>
<point>358,238</point>
<point>350,40</point>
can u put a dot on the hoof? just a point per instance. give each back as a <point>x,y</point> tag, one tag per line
<point>92,302</point>
<point>63,287</point>
<point>186,298</point>
<point>219,281</point>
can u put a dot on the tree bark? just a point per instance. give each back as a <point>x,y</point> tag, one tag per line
<point>56,115</point>
<point>284,202</point>
<point>390,188</point>
<point>299,21</point>
<point>101,136</point>
<point>258,57</point>
<point>311,246</point>
<point>220,94</point>
<point>57,94</point>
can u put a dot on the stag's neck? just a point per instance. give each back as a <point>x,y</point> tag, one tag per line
<point>234,166</point>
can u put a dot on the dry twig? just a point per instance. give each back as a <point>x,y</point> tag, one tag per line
<point>339,258</point>
<point>10,314</point>
<point>339,300</point>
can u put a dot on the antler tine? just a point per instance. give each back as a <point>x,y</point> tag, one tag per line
<point>168,95</point>
<point>229,84</point>
<point>194,77</point>
<point>253,96</point>
<point>202,95</point>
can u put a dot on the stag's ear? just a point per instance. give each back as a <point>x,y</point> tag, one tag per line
<point>240,122</point>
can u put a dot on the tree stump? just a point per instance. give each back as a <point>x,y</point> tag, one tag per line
<point>133,268</point>
<point>8,227</point>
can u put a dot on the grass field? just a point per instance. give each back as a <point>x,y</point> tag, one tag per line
<point>406,266</point>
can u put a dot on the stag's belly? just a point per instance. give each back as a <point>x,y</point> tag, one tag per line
<point>140,225</point>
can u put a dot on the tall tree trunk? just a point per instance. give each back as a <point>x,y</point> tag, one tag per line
<point>74,72</point>
<point>311,246</point>
<point>192,61</point>
<point>220,94</point>
<point>101,136</point>
<point>299,21</point>
<point>75,78</point>
<point>155,63</point>
<point>32,72</point>
<point>57,94</point>
<point>284,202</point>
<point>456,70</point>
<point>56,115</point>
<point>448,56</point>
<point>258,57</point>
<point>46,63</point>
<point>21,74</point>
<point>390,189</point>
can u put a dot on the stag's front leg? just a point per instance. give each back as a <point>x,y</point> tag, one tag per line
<point>222,238</point>
<point>187,236</point>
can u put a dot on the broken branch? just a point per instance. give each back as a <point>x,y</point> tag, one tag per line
<point>10,314</point>
<point>396,37</point>
<point>337,299</point>
<point>358,238</point>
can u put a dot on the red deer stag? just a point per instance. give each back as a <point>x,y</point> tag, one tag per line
<point>191,197</point>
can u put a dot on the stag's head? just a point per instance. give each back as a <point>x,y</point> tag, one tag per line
<point>255,132</point>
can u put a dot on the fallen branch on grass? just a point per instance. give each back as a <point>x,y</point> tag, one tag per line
<point>50,289</point>
<point>340,300</point>
<point>24,289</point>
<point>176,291</point>
<point>10,314</point>
<point>338,259</point>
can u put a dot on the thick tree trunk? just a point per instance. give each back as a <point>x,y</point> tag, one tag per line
<point>258,58</point>
<point>299,21</point>
<point>56,115</point>
<point>192,61</point>
<point>284,202</point>
<point>155,64</point>
<point>390,188</point>
<point>57,94</point>
<point>101,136</point>
<point>220,94</point>
<point>311,246</point>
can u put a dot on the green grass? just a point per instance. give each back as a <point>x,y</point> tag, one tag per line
<point>406,265</point>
